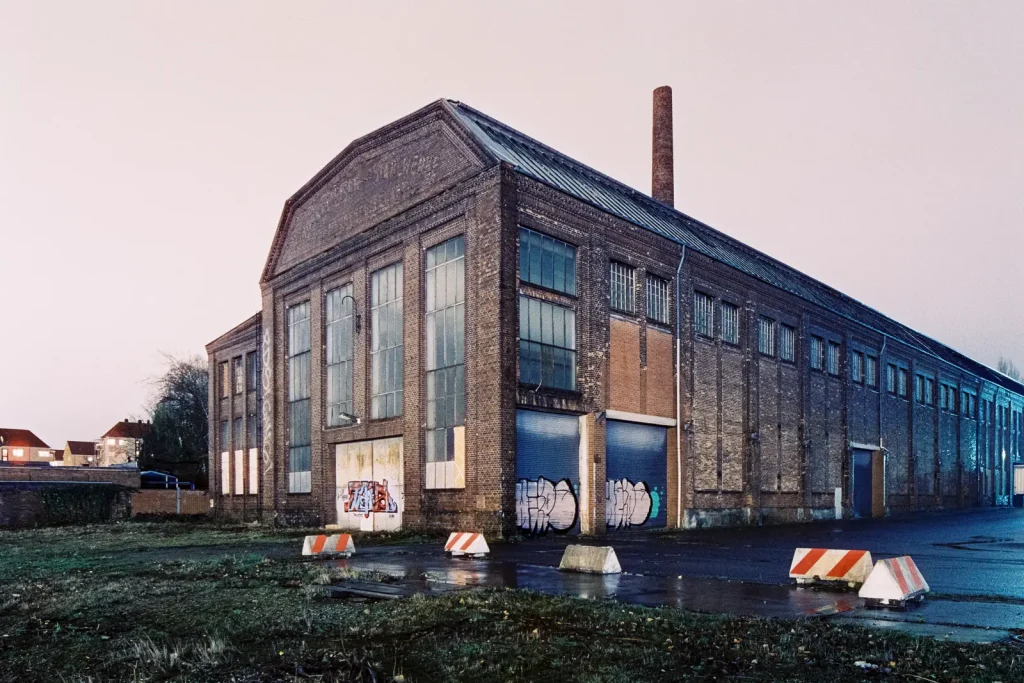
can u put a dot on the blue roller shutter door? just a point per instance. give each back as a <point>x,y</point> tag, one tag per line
<point>636,475</point>
<point>547,472</point>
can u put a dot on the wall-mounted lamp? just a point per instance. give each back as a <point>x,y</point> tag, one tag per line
<point>356,324</point>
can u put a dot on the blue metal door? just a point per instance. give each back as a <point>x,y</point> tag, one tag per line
<point>636,475</point>
<point>861,483</point>
<point>547,472</point>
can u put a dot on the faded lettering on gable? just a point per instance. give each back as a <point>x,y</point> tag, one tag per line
<point>375,185</point>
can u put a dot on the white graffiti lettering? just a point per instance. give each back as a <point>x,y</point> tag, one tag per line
<point>542,505</point>
<point>626,504</point>
<point>369,496</point>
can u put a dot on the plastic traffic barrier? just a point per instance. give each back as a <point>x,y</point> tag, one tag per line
<point>337,545</point>
<point>894,581</point>
<point>827,565</point>
<point>590,559</point>
<point>466,543</point>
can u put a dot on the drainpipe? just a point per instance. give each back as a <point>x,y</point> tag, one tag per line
<point>679,403</point>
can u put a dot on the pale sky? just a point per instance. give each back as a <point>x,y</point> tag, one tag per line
<point>146,149</point>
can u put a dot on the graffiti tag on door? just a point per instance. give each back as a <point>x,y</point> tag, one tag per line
<point>369,496</point>
<point>542,504</point>
<point>627,504</point>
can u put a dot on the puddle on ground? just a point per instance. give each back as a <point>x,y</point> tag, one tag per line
<point>700,595</point>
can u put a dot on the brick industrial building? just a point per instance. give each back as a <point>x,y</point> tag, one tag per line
<point>464,328</point>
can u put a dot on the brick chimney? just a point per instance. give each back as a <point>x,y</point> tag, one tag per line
<point>662,178</point>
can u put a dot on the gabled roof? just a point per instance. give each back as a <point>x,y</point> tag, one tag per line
<point>82,447</point>
<point>21,438</point>
<point>129,430</point>
<point>546,165</point>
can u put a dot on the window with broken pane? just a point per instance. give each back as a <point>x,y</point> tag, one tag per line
<point>386,342</point>
<point>299,430</point>
<point>445,337</point>
<point>338,316</point>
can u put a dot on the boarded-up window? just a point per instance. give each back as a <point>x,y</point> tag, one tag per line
<point>445,336</point>
<point>547,344</point>
<point>623,283</point>
<point>547,262</point>
<point>386,342</point>
<point>299,431</point>
<point>703,314</point>
<point>338,318</point>
<point>766,336</point>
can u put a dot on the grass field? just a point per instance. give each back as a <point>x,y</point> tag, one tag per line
<point>167,601</point>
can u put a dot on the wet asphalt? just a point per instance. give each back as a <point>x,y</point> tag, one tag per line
<point>973,561</point>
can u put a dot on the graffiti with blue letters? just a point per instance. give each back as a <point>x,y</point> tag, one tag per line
<point>369,496</point>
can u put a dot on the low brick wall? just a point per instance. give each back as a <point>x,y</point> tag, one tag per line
<point>163,502</point>
<point>41,503</point>
<point>96,475</point>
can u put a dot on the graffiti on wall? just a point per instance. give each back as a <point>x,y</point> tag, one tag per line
<point>543,505</point>
<point>628,504</point>
<point>268,404</point>
<point>369,496</point>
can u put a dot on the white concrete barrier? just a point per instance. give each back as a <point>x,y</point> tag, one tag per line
<point>894,581</point>
<point>590,559</point>
<point>466,543</point>
<point>337,545</point>
<point>827,565</point>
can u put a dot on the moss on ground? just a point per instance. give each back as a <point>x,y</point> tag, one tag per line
<point>244,616</point>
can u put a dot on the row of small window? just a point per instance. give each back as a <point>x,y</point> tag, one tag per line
<point>550,263</point>
<point>244,381</point>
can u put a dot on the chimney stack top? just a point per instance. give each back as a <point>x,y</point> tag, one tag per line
<point>662,162</point>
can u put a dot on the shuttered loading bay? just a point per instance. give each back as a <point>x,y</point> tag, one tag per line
<point>547,472</point>
<point>637,478</point>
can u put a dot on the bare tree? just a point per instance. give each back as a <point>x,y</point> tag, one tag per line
<point>180,414</point>
<point>1009,368</point>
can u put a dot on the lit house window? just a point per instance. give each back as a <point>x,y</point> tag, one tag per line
<point>547,262</point>
<point>445,336</point>
<point>871,371</point>
<point>832,358</point>
<point>817,353</point>
<point>730,323</point>
<point>787,343</point>
<point>338,330</point>
<point>657,299</point>
<point>766,336</point>
<point>857,367</point>
<point>17,452</point>
<point>386,343</point>
<point>299,431</point>
<point>239,376</point>
<point>111,442</point>
<point>623,283</point>
<point>547,344</point>
<point>703,314</point>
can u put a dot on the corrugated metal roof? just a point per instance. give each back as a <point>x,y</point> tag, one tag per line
<point>542,163</point>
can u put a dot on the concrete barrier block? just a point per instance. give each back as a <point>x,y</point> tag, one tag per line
<point>828,565</point>
<point>894,581</point>
<point>466,543</point>
<point>590,559</point>
<point>337,545</point>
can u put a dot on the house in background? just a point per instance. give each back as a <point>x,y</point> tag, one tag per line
<point>79,454</point>
<point>122,443</point>
<point>21,445</point>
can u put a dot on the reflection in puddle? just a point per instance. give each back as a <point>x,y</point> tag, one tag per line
<point>702,595</point>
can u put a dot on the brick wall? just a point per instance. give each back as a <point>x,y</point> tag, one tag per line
<point>165,502</point>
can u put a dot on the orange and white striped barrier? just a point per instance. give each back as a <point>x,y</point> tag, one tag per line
<point>895,580</point>
<point>336,544</point>
<point>830,566</point>
<point>466,543</point>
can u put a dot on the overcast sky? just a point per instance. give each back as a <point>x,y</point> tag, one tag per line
<point>146,150</point>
